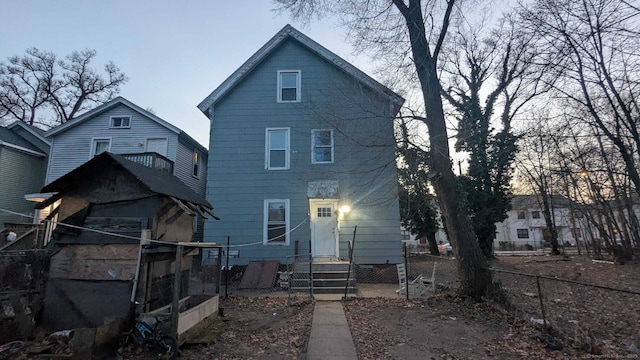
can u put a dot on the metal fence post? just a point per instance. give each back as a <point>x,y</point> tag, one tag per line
<point>406,266</point>
<point>226,273</point>
<point>310,271</point>
<point>544,317</point>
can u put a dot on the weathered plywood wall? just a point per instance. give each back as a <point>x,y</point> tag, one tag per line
<point>95,262</point>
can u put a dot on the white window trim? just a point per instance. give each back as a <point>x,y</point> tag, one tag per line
<point>313,147</point>
<point>193,165</point>
<point>298,86</point>
<point>265,232</point>
<point>93,140</point>
<point>111,126</point>
<point>267,149</point>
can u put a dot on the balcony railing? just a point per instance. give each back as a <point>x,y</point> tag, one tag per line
<point>152,160</point>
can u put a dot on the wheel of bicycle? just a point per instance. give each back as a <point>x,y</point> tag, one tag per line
<point>126,344</point>
<point>169,347</point>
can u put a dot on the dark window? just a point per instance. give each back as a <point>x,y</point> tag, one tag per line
<point>322,144</point>
<point>535,214</point>
<point>522,215</point>
<point>276,222</point>
<point>523,233</point>
<point>120,122</point>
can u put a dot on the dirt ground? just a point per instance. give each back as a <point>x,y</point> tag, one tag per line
<point>445,326</point>
<point>584,321</point>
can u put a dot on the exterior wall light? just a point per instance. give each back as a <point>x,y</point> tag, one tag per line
<point>344,209</point>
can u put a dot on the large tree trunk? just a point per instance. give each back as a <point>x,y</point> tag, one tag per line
<point>433,245</point>
<point>474,278</point>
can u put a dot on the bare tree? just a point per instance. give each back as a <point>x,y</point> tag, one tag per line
<point>39,88</point>
<point>595,43</point>
<point>417,31</point>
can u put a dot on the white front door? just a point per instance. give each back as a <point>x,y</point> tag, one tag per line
<point>158,145</point>
<point>324,228</point>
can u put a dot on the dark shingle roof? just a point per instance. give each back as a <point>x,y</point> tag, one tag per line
<point>154,180</point>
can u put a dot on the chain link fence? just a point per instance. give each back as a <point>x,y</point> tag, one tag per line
<point>593,318</point>
<point>284,276</point>
<point>22,280</point>
<point>291,276</point>
<point>419,275</point>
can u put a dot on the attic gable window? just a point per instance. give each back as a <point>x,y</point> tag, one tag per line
<point>321,146</point>
<point>120,122</point>
<point>288,86</point>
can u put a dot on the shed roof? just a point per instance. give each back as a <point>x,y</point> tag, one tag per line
<point>289,32</point>
<point>157,181</point>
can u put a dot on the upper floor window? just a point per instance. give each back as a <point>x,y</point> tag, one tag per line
<point>276,222</point>
<point>196,164</point>
<point>321,146</point>
<point>277,149</point>
<point>288,85</point>
<point>100,145</point>
<point>120,122</point>
<point>522,215</point>
<point>535,214</point>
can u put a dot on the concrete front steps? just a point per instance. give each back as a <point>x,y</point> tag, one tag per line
<point>329,277</point>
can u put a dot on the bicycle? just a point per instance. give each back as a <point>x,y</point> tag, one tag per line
<point>145,334</point>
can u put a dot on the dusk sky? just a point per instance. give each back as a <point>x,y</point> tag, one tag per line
<point>174,52</point>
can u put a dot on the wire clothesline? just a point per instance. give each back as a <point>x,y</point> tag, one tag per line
<point>144,239</point>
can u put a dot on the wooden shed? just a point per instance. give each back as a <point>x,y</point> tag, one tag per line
<point>99,265</point>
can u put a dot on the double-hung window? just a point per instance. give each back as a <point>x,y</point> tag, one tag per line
<point>321,146</point>
<point>120,122</point>
<point>276,222</point>
<point>288,85</point>
<point>100,145</point>
<point>523,233</point>
<point>277,148</point>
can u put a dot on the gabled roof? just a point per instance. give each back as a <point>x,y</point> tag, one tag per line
<point>523,202</point>
<point>289,32</point>
<point>11,139</point>
<point>110,105</point>
<point>38,133</point>
<point>157,181</point>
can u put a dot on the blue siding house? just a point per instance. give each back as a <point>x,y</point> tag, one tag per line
<point>298,137</point>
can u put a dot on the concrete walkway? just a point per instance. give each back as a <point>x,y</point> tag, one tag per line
<point>330,335</point>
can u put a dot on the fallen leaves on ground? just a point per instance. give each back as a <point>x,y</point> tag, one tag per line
<point>258,328</point>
